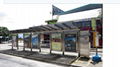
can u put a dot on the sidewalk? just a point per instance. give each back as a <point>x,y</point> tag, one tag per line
<point>86,63</point>
<point>14,61</point>
<point>56,57</point>
<point>50,58</point>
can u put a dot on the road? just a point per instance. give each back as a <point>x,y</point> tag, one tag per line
<point>12,61</point>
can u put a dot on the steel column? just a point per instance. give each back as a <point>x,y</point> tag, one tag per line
<point>50,43</point>
<point>23,42</point>
<point>39,40</point>
<point>17,42</point>
<point>12,43</point>
<point>78,43</point>
<point>30,40</point>
<point>63,46</point>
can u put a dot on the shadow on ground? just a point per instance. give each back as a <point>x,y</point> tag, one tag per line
<point>49,58</point>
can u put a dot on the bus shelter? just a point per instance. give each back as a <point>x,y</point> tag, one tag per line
<point>69,36</point>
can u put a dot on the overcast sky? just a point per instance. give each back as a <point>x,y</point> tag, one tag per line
<point>19,16</point>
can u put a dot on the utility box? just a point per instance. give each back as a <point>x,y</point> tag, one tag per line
<point>14,39</point>
<point>84,43</point>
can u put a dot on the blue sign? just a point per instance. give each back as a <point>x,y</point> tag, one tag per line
<point>34,41</point>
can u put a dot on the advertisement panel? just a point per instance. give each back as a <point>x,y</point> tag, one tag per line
<point>56,41</point>
<point>70,42</point>
<point>35,41</point>
<point>27,40</point>
<point>84,43</point>
<point>93,23</point>
<point>95,39</point>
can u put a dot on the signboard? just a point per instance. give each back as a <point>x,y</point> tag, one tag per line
<point>27,40</point>
<point>84,43</point>
<point>53,21</point>
<point>95,39</point>
<point>35,41</point>
<point>70,42</point>
<point>93,23</point>
<point>56,41</point>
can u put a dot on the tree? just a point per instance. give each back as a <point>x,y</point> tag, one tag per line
<point>4,32</point>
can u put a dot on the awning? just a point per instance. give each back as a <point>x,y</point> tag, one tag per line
<point>83,8</point>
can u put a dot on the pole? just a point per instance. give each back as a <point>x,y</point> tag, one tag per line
<point>63,46</point>
<point>12,43</point>
<point>93,21</point>
<point>23,42</point>
<point>50,43</point>
<point>39,37</point>
<point>17,41</point>
<point>31,41</point>
<point>78,42</point>
<point>94,40</point>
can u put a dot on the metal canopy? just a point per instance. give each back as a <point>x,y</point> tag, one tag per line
<point>62,26</point>
<point>69,25</point>
<point>36,28</point>
<point>53,26</point>
<point>45,27</point>
<point>21,31</point>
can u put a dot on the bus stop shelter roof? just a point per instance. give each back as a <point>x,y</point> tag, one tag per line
<point>68,25</point>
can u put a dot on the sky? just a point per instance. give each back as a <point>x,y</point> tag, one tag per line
<point>53,1</point>
<point>20,16</point>
<point>61,1</point>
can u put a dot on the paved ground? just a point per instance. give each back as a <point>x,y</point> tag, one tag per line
<point>12,61</point>
<point>24,62</point>
<point>86,63</point>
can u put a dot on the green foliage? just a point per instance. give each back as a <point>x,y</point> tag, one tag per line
<point>4,31</point>
<point>52,23</point>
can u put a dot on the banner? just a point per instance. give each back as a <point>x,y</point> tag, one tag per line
<point>56,41</point>
<point>93,23</point>
<point>35,41</point>
<point>27,40</point>
<point>70,42</point>
<point>56,10</point>
<point>95,39</point>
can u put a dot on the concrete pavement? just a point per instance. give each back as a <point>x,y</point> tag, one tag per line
<point>12,61</point>
<point>78,62</point>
